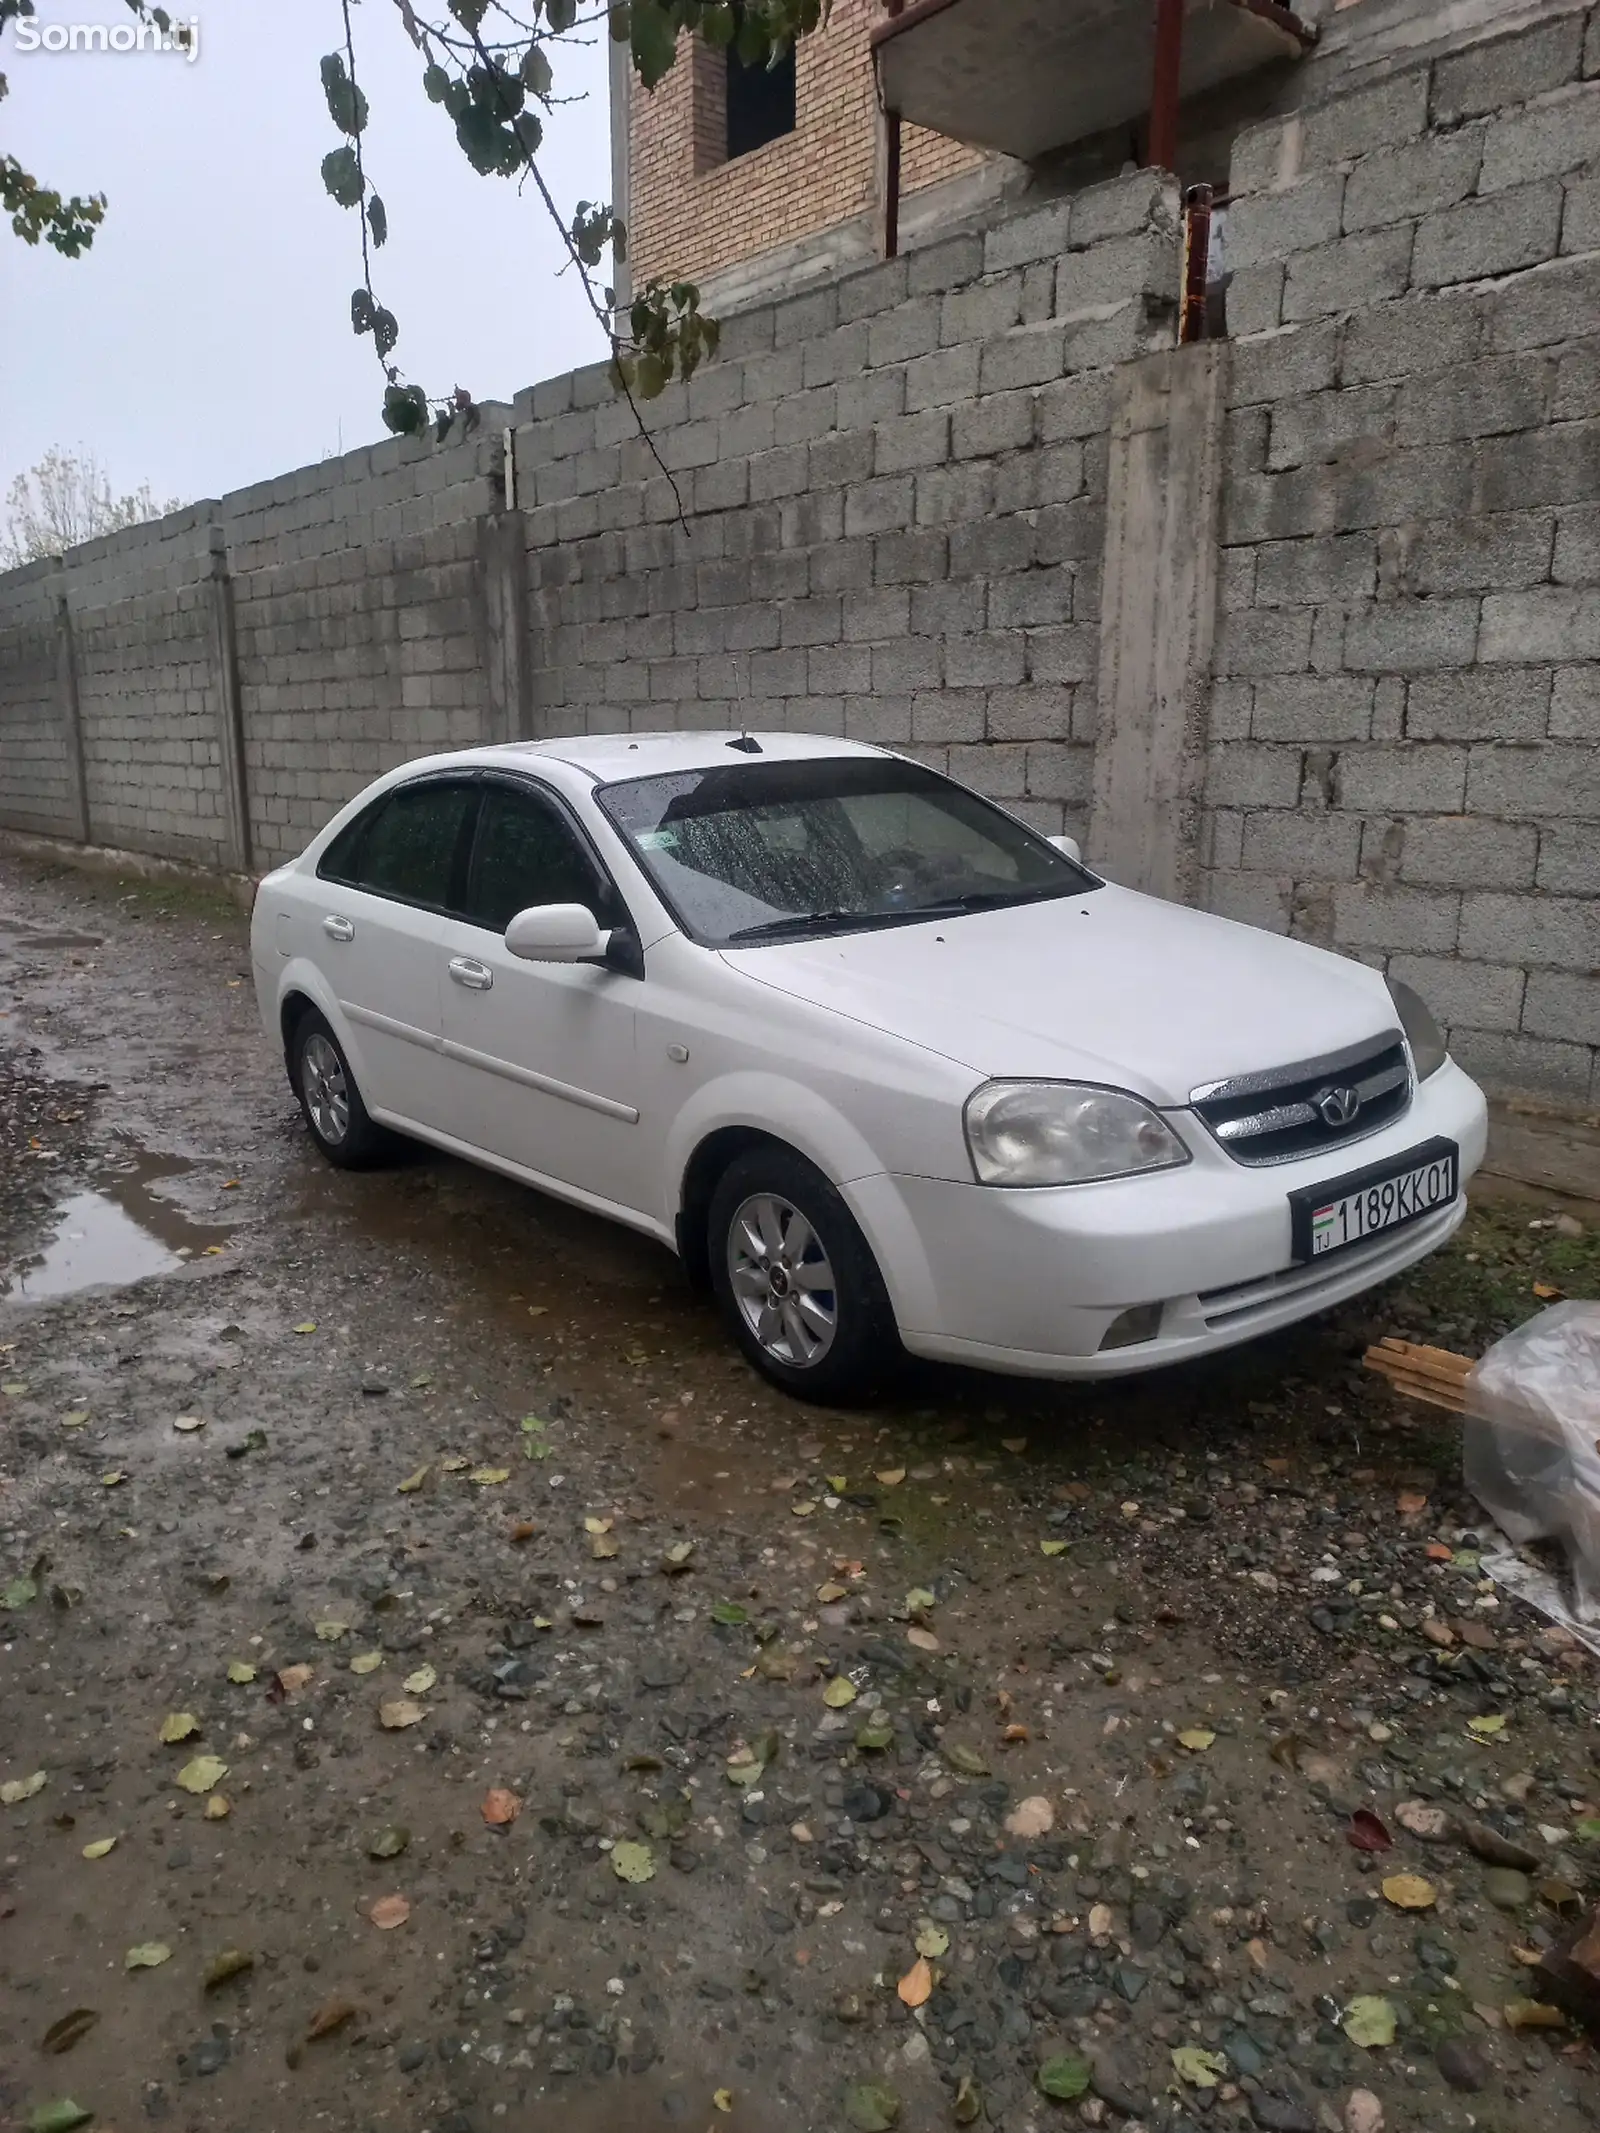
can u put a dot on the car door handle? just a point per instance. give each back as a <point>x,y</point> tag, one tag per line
<point>338,929</point>
<point>477,977</point>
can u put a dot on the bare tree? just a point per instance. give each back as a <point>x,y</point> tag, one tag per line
<point>67,499</point>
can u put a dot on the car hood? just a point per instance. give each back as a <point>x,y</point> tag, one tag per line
<point>1108,987</point>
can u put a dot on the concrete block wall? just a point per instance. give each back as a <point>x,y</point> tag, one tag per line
<point>1404,750</point>
<point>359,643</point>
<point>36,774</point>
<point>895,493</point>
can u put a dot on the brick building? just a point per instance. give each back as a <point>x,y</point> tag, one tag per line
<point>1302,622</point>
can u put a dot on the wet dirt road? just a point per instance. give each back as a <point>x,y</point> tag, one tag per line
<point>564,1731</point>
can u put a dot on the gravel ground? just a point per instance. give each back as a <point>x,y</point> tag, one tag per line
<point>562,1730</point>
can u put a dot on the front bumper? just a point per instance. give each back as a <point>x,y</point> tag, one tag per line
<point>1031,1281</point>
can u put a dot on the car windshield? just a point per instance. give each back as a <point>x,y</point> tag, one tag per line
<point>758,852</point>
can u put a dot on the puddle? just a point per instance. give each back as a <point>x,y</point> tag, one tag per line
<point>124,1231</point>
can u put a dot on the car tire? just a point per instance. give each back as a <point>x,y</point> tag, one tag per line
<point>329,1099</point>
<point>797,1282</point>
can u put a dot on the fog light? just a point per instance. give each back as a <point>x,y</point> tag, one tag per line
<point>1128,1328</point>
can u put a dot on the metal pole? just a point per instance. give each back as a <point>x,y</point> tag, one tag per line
<point>1196,259</point>
<point>1162,149</point>
<point>891,184</point>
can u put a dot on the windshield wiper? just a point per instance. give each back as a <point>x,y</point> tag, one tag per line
<point>808,922</point>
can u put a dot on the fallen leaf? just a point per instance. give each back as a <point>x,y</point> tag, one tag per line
<point>70,2029</point>
<point>18,1593</point>
<point>1491,1724</point>
<point>633,1862</point>
<point>419,1683</point>
<point>454,1463</point>
<point>15,1790</point>
<point>290,1680</point>
<point>804,1509</point>
<point>916,1987</point>
<point>1014,1444</point>
<point>1065,2077</point>
<point>489,1477</point>
<point>829,1592</point>
<point>1047,1547</point>
<point>217,1808</point>
<point>1369,2020</point>
<point>931,1940</point>
<point>412,1482</point>
<point>366,1662</point>
<point>598,1525</point>
<point>330,2017</point>
<point>523,1530</point>
<point>1411,1503</point>
<point>306,1325</point>
<point>1366,1833</point>
<point>1033,1817</point>
<point>500,1807</point>
<point>63,2116</point>
<point>1438,1551</point>
<point>178,1725</point>
<point>114,1479</point>
<point>966,2106</point>
<point>1547,1292</point>
<point>870,2107</point>
<point>1200,2069</point>
<point>678,1558</point>
<point>188,1422</point>
<point>149,1955</point>
<point>722,2099</point>
<point>919,1599</point>
<point>203,1773</point>
<point>840,1691</point>
<point>1196,1739</point>
<point>1409,1892</point>
<point>729,1613</point>
<point>602,1547</point>
<point>967,1760</point>
<point>389,1912</point>
<point>1532,2014</point>
<point>240,1671</point>
<point>892,1476</point>
<point>401,1711</point>
<point>232,1962</point>
<point>99,1848</point>
<point>389,1843</point>
<point>331,1632</point>
<point>923,1640</point>
<point>875,1733</point>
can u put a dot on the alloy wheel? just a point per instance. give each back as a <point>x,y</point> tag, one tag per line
<point>327,1093</point>
<point>783,1281</point>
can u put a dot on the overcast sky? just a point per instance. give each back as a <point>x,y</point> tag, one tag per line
<point>204,340</point>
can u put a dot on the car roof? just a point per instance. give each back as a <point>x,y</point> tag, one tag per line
<point>607,756</point>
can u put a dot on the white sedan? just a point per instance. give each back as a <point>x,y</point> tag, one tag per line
<point>885,1067</point>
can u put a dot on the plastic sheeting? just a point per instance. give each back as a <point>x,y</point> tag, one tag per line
<point>1531,1446</point>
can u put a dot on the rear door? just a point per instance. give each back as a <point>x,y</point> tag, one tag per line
<point>382,891</point>
<point>551,1079</point>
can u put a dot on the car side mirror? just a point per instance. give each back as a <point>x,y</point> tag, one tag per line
<point>1069,845</point>
<point>557,933</point>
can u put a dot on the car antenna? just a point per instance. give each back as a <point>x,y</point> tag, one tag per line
<point>747,744</point>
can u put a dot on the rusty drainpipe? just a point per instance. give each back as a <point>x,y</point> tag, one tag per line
<point>1196,258</point>
<point>1162,147</point>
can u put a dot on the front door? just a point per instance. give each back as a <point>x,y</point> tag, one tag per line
<point>552,1078</point>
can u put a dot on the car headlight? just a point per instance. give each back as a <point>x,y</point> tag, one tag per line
<point>1064,1133</point>
<point>1428,1051</point>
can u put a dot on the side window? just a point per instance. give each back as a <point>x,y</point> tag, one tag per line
<point>410,849</point>
<point>341,861</point>
<point>528,854</point>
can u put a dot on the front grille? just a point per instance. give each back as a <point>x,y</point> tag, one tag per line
<point>1302,1110</point>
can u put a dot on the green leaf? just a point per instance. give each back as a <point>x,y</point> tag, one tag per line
<point>729,1613</point>
<point>378,220</point>
<point>633,1862</point>
<point>1369,2020</point>
<point>18,1593</point>
<point>361,311</point>
<point>875,1733</point>
<point>435,84</point>
<point>389,1843</point>
<point>649,377</point>
<point>385,329</point>
<point>561,14</point>
<point>1065,2077</point>
<point>488,145</point>
<point>1589,1830</point>
<point>717,26</point>
<point>149,1955</point>
<point>654,37</point>
<point>1200,2069</point>
<point>347,106</point>
<point>536,73</point>
<point>405,410</point>
<point>871,2107</point>
<point>342,176</point>
<point>63,2117</point>
<point>529,130</point>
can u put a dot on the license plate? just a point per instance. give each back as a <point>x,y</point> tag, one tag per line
<point>1344,1211</point>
